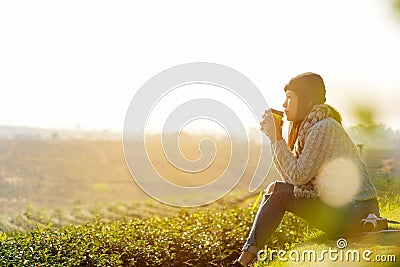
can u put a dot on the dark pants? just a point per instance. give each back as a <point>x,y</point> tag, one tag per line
<point>328,219</point>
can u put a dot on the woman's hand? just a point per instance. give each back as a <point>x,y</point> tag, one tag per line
<point>271,126</point>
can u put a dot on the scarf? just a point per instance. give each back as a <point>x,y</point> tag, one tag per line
<point>317,114</point>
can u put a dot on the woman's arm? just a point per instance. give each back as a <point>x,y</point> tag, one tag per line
<point>320,143</point>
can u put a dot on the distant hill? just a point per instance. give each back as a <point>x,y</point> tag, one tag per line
<point>56,174</point>
<point>27,133</point>
<point>51,173</point>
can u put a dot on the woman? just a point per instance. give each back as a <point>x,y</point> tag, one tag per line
<point>311,164</point>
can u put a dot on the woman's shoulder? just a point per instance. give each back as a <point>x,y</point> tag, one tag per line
<point>327,124</point>
<point>321,117</point>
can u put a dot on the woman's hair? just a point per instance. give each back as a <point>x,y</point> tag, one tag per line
<point>294,127</point>
<point>336,115</point>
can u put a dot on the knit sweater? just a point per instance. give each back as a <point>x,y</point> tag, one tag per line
<point>324,142</point>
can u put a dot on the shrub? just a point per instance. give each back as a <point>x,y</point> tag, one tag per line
<point>202,238</point>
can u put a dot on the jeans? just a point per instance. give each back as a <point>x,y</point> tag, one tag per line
<point>330,220</point>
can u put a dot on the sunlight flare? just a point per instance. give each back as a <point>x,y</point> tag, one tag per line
<point>339,181</point>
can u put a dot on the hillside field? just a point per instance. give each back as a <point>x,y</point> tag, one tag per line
<point>74,203</point>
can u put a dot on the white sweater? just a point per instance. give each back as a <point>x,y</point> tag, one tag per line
<point>325,142</point>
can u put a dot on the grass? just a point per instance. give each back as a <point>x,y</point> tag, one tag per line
<point>385,246</point>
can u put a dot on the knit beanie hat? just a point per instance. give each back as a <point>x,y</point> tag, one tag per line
<point>308,86</point>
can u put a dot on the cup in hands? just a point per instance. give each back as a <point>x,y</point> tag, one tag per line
<point>278,115</point>
<point>268,124</point>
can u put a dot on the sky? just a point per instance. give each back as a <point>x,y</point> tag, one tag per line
<point>64,63</point>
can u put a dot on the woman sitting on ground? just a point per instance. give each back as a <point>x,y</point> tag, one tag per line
<point>325,181</point>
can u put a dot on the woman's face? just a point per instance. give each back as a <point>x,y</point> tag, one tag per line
<point>291,105</point>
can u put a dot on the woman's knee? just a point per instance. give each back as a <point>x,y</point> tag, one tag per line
<point>282,197</point>
<point>270,187</point>
<point>277,186</point>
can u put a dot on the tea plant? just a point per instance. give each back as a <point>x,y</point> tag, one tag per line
<point>203,238</point>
